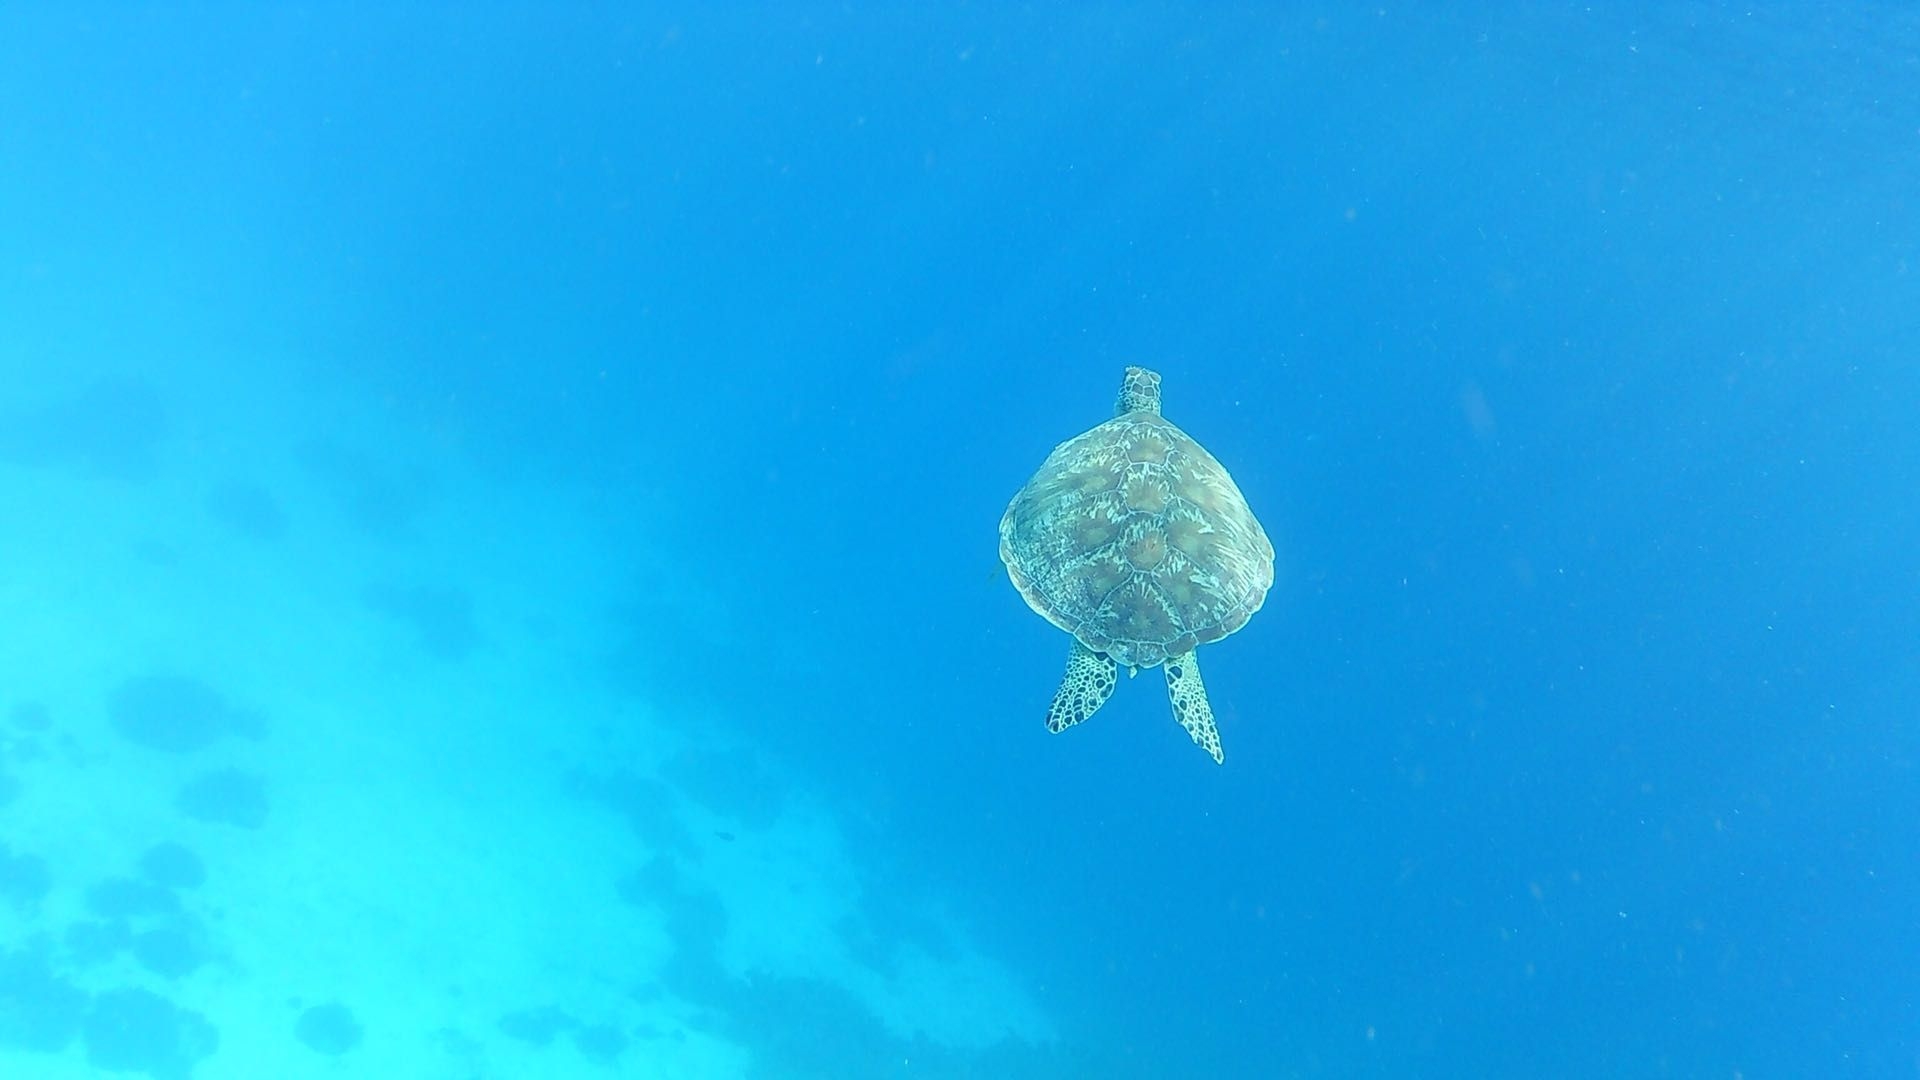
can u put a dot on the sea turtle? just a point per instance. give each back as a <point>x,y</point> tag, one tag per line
<point>1133,539</point>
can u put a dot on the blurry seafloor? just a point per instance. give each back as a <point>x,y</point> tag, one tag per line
<point>289,792</point>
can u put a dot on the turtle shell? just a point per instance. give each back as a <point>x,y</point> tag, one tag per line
<point>1132,538</point>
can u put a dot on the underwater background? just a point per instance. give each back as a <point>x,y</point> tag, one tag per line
<point>498,564</point>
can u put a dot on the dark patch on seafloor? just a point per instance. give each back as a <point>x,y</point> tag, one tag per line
<point>247,509</point>
<point>30,716</point>
<point>25,744</point>
<point>540,1026</point>
<point>372,498</point>
<point>329,1029</point>
<point>225,797</point>
<point>90,942</point>
<point>173,865</point>
<point>175,714</point>
<point>733,783</point>
<point>142,916</point>
<point>127,1029</point>
<point>602,1043</point>
<point>464,1050</point>
<point>113,427</point>
<point>646,803</point>
<point>26,749</point>
<point>39,1011</point>
<point>25,879</point>
<point>812,1028</point>
<point>173,951</point>
<point>441,619</point>
<point>130,898</point>
<point>537,1026</point>
<point>884,919</point>
<point>138,1031</point>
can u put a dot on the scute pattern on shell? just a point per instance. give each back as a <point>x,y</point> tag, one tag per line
<point>1132,538</point>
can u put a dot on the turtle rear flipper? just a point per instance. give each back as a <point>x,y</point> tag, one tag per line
<point>1087,685</point>
<point>1190,705</point>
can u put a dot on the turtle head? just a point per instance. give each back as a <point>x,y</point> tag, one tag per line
<point>1139,392</point>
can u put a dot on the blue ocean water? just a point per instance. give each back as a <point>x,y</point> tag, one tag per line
<point>498,566</point>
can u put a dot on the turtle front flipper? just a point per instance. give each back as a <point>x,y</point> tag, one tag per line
<point>1190,705</point>
<point>1087,685</point>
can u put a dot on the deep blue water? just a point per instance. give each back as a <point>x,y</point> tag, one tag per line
<point>1570,357</point>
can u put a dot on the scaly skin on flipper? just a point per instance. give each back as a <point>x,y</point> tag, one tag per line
<point>1087,685</point>
<point>1190,706</point>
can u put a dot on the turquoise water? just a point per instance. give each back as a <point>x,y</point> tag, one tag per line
<point>498,558</point>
